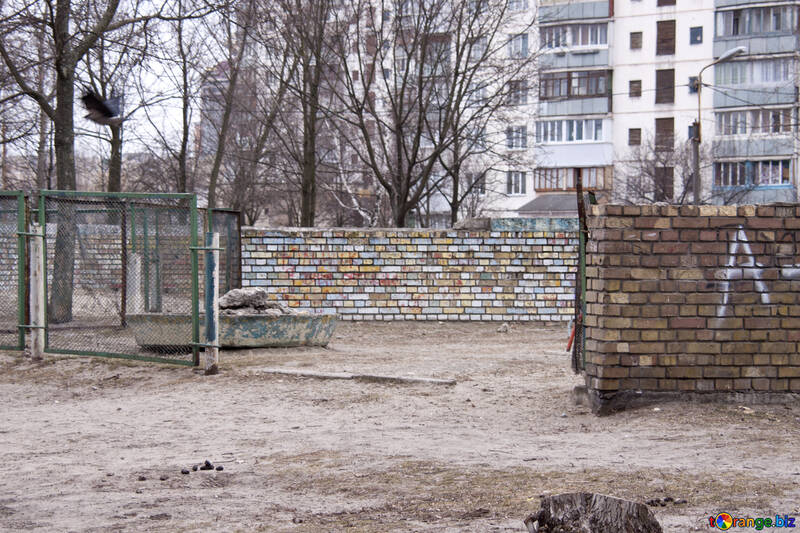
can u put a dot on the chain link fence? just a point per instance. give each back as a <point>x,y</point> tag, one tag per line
<point>12,270</point>
<point>121,275</point>
<point>228,223</point>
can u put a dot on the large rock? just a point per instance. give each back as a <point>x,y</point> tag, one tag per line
<point>584,512</point>
<point>253,301</point>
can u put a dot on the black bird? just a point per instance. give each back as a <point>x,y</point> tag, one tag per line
<point>106,112</point>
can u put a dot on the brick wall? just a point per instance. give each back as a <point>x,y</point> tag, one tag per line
<point>517,269</point>
<point>690,300</point>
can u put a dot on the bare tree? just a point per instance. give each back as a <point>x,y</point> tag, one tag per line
<point>422,83</point>
<point>657,172</point>
<point>112,67</point>
<point>73,28</point>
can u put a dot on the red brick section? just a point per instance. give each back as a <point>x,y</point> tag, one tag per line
<point>692,299</point>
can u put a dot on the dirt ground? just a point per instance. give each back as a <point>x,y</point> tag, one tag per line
<point>92,444</point>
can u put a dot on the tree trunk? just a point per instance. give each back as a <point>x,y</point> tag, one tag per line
<point>115,164</point>
<point>308,189</point>
<point>60,301</point>
<point>42,152</point>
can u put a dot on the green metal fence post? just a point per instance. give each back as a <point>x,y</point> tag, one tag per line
<point>195,283</point>
<point>21,296</point>
<point>146,261</point>
<point>43,224</point>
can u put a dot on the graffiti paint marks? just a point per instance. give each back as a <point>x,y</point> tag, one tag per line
<point>742,264</point>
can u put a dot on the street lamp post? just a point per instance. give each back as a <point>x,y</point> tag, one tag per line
<point>728,54</point>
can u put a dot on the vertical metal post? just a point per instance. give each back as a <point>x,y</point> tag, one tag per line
<point>146,262</point>
<point>158,286</point>
<point>37,292</point>
<point>43,224</point>
<point>21,271</point>
<point>212,302</point>
<point>195,282</point>
<point>123,293</point>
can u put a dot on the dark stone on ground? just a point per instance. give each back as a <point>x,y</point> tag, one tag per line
<point>220,468</point>
<point>184,470</point>
<point>142,478</point>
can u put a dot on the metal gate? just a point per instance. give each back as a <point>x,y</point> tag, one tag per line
<point>12,270</point>
<point>121,274</point>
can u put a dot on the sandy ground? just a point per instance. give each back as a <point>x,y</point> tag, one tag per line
<point>92,444</point>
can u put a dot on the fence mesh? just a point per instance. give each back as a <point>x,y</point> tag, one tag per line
<point>11,270</point>
<point>120,275</point>
<point>228,224</point>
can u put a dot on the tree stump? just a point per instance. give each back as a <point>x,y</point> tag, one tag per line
<point>584,512</point>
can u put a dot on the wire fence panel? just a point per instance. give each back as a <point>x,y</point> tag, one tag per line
<point>12,270</point>
<point>229,226</point>
<point>122,275</point>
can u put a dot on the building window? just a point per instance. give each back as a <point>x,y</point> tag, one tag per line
<point>756,173</point>
<point>560,179</point>
<point>636,40</point>
<point>665,86</point>
<point>577,84</point>
<point>517,92</point>
<point>665,37</point>
<point>634,136</point>
<point>765,71</point>
<point>478,49</point>
<point>665,134</point>
<point>549,131</point>
<point>663,184</point>
<point>518,46</point>
<point>550,179</point>
<point>660,3</point>
<point>732,123</point>
<point>730,174</point>
<point>517,5</point>
<point>576,35</point>
<point>476,94</point>
<point>696,35</point>
<point>516,137</point>
<point>515,182</point>
<point>635,88</point>
<point>770,121</point>
<point>589,34</point>
<point>554,36</point>
<point>437,59</point>
<point>477,183</point>
<point>560,131</point>
<point>755,122</point>
<point>757,20</point>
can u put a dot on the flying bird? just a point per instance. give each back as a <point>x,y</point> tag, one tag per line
<point>106,112</point>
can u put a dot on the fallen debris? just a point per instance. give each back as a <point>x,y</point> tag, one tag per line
<point>253,301</point>
<point>361,377</point>
<point>584,512</point>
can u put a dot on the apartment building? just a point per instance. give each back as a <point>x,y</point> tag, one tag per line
<point>661,48</point>
<point>618,98</point>
<point>573,131</point>
<point>755,100</point>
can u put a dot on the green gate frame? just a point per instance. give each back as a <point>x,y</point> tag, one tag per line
<point>193,248</point>
<point>21,261</point>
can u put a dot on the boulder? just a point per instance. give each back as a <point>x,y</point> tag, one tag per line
<point>584,512</point>
<point>254,301</point>
<point>255,297</point>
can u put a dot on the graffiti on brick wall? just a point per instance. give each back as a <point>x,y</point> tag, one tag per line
<point>742,265</point>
